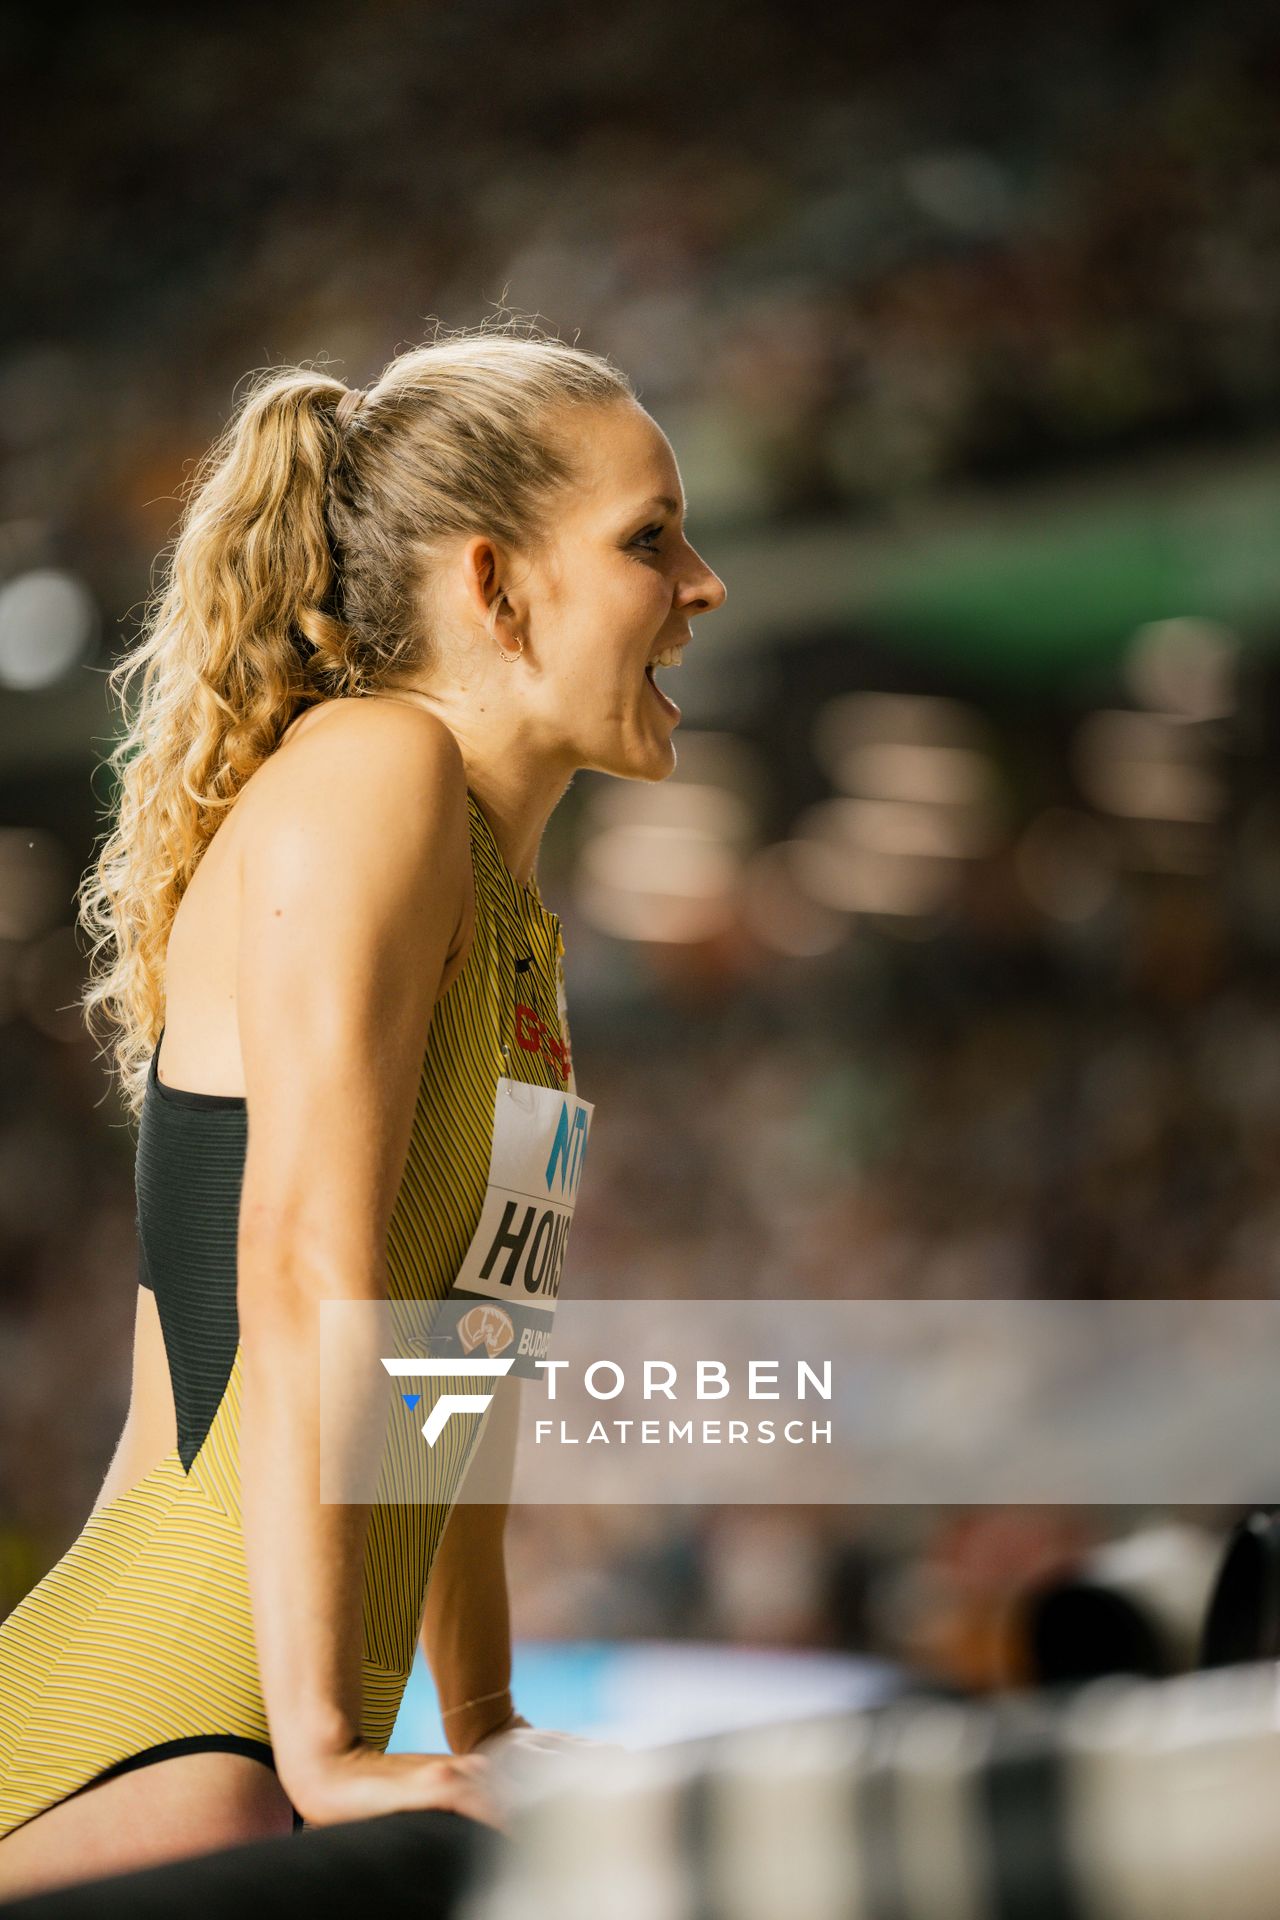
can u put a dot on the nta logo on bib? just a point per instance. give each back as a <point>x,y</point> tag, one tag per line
<point>517,1252</point>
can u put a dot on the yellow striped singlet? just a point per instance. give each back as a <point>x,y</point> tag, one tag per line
<point>138,1643</point>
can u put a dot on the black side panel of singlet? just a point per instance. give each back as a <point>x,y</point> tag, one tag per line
<point>189,1170</point>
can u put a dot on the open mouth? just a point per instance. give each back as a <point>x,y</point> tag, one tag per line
<point>668,705</point>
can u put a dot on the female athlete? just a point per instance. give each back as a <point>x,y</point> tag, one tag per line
<point>393,625</point>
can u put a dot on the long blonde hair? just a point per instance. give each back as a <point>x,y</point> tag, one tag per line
<point>297,575</point>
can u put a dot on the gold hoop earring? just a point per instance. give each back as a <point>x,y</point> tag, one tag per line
<point>489,623</point>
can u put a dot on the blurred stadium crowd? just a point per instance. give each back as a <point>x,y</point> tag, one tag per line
<point>846,254</point>
<point>849,261</point>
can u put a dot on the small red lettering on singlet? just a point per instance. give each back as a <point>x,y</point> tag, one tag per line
<point>533,1034</point>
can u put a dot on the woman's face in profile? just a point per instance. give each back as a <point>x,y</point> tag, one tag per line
<point>617,586</point>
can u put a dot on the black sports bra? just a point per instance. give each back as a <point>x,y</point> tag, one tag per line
<point>188,1172</point>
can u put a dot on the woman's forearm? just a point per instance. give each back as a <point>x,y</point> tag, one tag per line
<point>466,1633</point>
<point>466,1629</point>
<point>305,1557</point>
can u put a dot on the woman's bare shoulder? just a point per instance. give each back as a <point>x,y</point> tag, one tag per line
<point>371,790</point>
<point>348,745</point>
<point>336,726</point>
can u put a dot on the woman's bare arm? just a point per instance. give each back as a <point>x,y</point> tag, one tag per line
<point>352,892</point>
<point>466,1628</point>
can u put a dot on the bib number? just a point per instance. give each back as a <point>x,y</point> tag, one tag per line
<point>502,1302</point>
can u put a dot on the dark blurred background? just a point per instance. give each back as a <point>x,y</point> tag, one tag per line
<point>958,923</point>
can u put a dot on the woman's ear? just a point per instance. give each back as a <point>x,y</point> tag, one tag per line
<point>481,565</point>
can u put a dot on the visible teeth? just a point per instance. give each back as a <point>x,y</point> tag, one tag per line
<point>671,658</point>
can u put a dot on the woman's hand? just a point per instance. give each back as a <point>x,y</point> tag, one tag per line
<point>515,1735</point>
<point>509,1725</point>
<point>360,1782</point>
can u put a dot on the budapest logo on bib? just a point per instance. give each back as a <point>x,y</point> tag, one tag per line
<point>502,1302</point>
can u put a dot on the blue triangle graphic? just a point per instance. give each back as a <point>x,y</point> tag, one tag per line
<point>411,1400</point>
